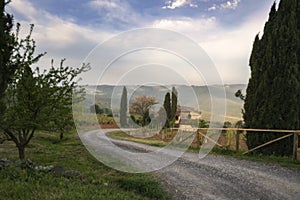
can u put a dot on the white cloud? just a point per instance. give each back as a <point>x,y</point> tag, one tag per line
<point>187,25</point>
<point>104,4</point>
<point>228,48</point>
<point>60,38</point>
<point>63,38</point>
<point>172,4</point>
<point>114,10</point>
<point>230,4</point>
<point>233,4</point>
<point>213,7</point>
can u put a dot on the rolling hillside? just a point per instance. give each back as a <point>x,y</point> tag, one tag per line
<point>197,97</point>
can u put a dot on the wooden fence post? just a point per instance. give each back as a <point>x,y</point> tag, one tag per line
<point>295,146</point>
<point>198,138</point>
<point>237,141</point>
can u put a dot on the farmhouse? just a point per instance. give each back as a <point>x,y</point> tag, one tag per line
<point>186,113</point>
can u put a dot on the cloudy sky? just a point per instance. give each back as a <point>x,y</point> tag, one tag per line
<point>70,29</point>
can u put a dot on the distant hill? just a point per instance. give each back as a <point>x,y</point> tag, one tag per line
<point>197,97</point>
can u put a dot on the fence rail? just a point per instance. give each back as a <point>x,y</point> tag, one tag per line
<point>238,131</point>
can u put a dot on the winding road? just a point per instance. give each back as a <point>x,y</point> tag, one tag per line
<point>212,177</point>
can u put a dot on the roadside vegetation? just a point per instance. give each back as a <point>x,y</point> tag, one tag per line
<point>283,161</point>
<point>36,112</point>
<point>38,159</point>
<point>93,180</point>
<point>218,151</point>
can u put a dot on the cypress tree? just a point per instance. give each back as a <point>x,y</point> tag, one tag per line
<point>167,107</point>
<point>174,104</point>
<point>123,108</point>
<point>7,43</point>
<point>273,92</point>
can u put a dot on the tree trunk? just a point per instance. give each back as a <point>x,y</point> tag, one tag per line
<point>21,150</point>
<point>61,136</point>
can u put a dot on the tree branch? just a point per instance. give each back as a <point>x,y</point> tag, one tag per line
<point>11,136</point>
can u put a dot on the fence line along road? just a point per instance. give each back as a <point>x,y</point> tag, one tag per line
<point>294,133</point>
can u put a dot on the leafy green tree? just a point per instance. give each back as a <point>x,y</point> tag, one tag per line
<point>203,124</point>
<point>226,124</point>
<point>107,112</point>
<point>273,92</point>
<point>37,100</point>
<point>189,116</point>
<point>123,108</point>
<point>96,109</point>
<point>240,95</point>
<point>167,107</point>
<point>70,93</point>
<point>239,124</point>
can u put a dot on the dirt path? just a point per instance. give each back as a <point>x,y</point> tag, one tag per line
<point>217,177</point>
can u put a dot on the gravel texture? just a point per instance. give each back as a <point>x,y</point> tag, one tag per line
<point>218,177</point>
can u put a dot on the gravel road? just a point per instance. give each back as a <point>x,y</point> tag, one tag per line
<point>217,177</point>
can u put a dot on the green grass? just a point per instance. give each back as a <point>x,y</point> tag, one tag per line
<point>153,141</point>
<point>150,141</point>
<point>105,119</point>
<point>282,161</point>
<point>96,181</point>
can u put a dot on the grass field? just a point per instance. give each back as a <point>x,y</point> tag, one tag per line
<point>96,181</point>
